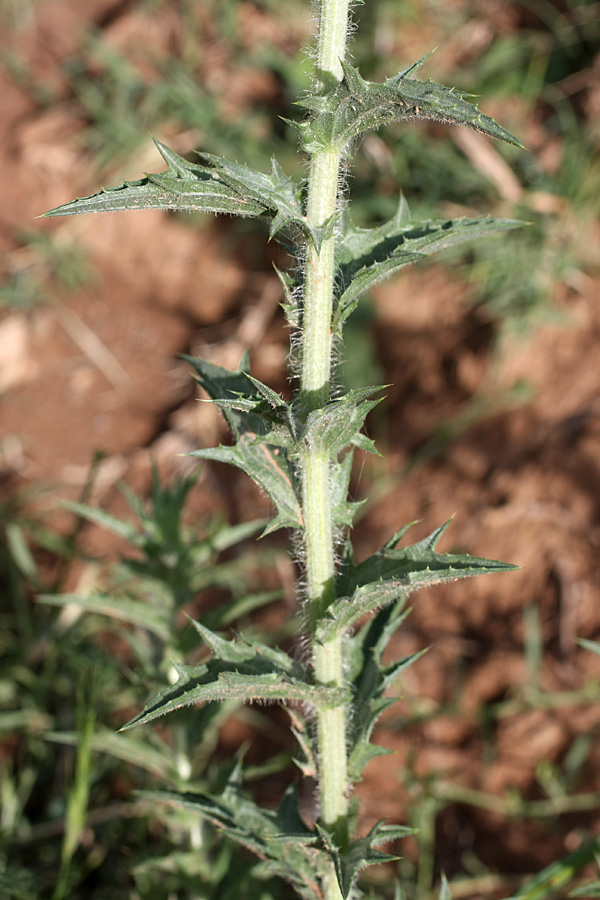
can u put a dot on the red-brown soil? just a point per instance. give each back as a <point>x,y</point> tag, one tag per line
<point>97,369</point>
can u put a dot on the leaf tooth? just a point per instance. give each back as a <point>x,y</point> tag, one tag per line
<point>172,159</point>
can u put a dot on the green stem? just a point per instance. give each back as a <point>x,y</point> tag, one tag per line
<point>333,32</point>
<point>316,463</point>
<point>319,278</point>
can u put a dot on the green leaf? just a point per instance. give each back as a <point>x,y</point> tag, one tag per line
<point>337,425</point>
<point>363,656</point>
<point>343,510</point>
<point>265,428</point>
<point>365,256</point>
<point>279,837</point>
<point>278,194</point>
<point>290,304</point>
<point>126,530</point>
<point>221,187</point>
<point>302,733</point>
<point>356,106</point>
<point>241,670</point>
<point>393,573</point>
<point>362,853</point>
<point>20,553</point>
<point>259,451</point>
<point>220,681</point>
<point>267,464</point>
<point>381,585</point>
<point>223,384</point>
<point>552,880</point>
<point>444,893</point>
<point>184,186</point>
<point>243,650</point>
<point>276,414</point>
<point>227,536</point>
<point>136,612</point>
<point>138,753</point>
<point>588,890</point>
<point>265,454</point>
<point>593,646</point>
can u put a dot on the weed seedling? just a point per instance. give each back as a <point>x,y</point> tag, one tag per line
<point>300,454</point>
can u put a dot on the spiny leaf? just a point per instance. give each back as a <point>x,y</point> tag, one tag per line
<point>393,572</point>
<point>260,452</point>
<point>276,414</point>
<point>220,681</point>
<point>224,384</point>
<point>184,186</point>
<point>337,425</point>
<point>243,650</point>
<point>281,196</point>
<point>290,304</point>
<point>382,584</point>
<point>344,612</point>
<point>369,704</point>
<point>356,106</point>
<point>241,670</point>
<point>279,837</point>
<point>362,853</point>
<point>267,464</point>
<point>221,187</point>
<point>265,455</point>
<point>363,654</point>
<point>369,642</point>
<point>300,729</point>
<point>366,256</point>
<point>343,510</point>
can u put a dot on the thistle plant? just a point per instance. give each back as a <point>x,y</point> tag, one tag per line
<point>300,453</point>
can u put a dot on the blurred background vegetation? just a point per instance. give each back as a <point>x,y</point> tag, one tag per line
<point>74,819</point>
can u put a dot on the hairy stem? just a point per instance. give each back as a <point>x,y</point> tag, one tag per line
<point>316,463</point>
<point>333,30</point>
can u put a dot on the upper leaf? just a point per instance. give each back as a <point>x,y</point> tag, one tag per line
<point>365,256</point>
<point>184,186</point>
<point>356,106</point>
<point>225,384</point>
<point>268,436</point>
<point>220,187</point>
<point>276,192</point>
<point>394,572</point>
